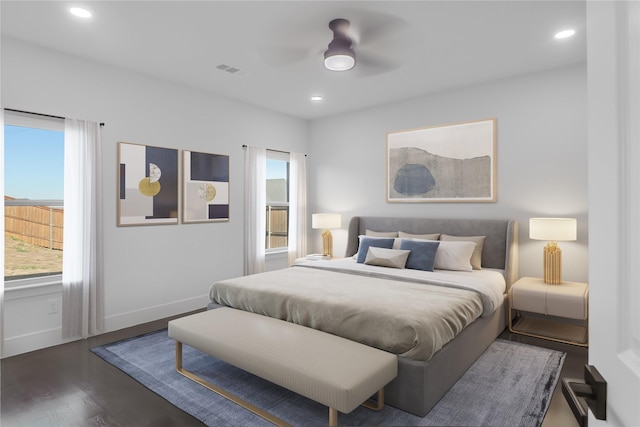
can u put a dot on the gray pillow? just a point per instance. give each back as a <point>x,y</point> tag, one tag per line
<point>367,242</point>
<point>383,257</point>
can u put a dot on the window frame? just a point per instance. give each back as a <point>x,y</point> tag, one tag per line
<point>284,157</point>
<point>22,119</point>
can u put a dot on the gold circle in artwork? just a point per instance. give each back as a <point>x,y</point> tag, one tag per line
<point>149,188</point>
<point>210,192</point>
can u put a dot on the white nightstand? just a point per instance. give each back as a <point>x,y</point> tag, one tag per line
<point>554,312</point>
<point>314,258</point>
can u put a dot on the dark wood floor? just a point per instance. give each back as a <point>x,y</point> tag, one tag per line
<point>69,386</point>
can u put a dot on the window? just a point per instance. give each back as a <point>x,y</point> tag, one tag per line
<point>277,225</point>
<point>34,193</point>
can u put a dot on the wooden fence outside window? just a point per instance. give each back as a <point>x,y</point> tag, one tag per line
<point>37,225</point>
<point>277,227</point>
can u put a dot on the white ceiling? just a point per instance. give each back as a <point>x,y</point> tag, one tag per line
<point>403,49</point>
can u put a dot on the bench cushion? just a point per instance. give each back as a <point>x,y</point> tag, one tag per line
<point>326,368</point>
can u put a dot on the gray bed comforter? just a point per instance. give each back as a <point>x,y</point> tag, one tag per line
<point>408,317</point>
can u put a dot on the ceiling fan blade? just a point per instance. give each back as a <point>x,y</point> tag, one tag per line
<point>282,56</point>
<point>294,42</point>
<point>368,64</point>
<point>369,27</point>
<point>374,33</point>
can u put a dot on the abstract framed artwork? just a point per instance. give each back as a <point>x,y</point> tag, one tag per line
<point>449,163</point>
<point>147,185</point>
<point>205,187</point>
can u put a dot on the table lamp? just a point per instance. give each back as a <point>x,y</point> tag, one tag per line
<point>552,230</point>
<point>326,221</point>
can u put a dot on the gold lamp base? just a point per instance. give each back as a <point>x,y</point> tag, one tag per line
<point>327,243</point>
<point>552,264</point>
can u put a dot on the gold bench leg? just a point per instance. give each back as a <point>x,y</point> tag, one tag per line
<point>229,396</point>
<point>333,417</point>
<point>379,405</point>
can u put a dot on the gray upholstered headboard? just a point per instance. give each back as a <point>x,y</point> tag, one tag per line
<point>500,246</point>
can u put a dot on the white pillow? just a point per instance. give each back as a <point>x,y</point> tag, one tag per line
<point>452,255</point>
<point>383,257</point>
<point>476,258</point>
<point>404,235</point>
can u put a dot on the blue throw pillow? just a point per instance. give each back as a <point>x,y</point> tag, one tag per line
<point>366,242</point>
<point>423,254</point>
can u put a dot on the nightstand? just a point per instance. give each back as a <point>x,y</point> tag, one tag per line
<point>553,312</point>
<point>314,258</point>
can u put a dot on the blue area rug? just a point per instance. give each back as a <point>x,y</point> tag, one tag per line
<point>511,384</point>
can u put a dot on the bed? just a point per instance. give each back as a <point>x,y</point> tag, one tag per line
<point>436,320</point>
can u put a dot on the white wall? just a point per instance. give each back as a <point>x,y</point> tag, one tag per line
<point>150,271</point>
<point>157,271</point>
<point>542,159</point>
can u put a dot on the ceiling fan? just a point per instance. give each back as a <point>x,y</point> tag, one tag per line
<point>370,43</point>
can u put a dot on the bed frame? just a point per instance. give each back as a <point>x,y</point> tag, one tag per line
<point>420,385</point>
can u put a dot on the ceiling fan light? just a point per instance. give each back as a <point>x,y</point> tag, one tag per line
<point>339,61</point>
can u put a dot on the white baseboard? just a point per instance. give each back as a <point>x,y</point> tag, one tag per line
<point>30,342</point>
<point>20,344</point>
<point>148,314</point>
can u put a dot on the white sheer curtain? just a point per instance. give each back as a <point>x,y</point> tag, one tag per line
<point>297,206</point>
<point>82,311</point>
<point>2,230</point>
<point>255,201</point>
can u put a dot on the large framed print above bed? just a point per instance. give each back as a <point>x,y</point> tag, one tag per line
<point>205,187</point>
<point>147,185</point>
<point>448,163</point>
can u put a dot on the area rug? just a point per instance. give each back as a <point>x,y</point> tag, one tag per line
<point>511,384</point>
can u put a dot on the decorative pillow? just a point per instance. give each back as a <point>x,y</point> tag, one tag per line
<point>476,258</point>
<point>381,233</point>
<point>454,256</point>
<point>423,253</point>
<point>382,257</point>
<point>404,235</point>
<point>366,242</point>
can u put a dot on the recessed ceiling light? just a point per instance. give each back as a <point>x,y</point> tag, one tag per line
<point>82,13</point>
<point>564,34</point>
<point>316,98</point>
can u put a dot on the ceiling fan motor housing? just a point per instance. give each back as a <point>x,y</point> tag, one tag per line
<point>339,56</point>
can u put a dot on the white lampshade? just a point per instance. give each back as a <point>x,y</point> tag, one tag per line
<point>553,229</point>
<point>326,220</point>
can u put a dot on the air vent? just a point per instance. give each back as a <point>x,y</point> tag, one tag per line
<point>228,68</point>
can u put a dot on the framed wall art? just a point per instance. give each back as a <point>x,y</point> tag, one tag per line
<point>205,187</point>
<point>449,163</point>
<point>147,185</point>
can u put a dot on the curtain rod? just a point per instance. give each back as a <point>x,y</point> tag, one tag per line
<point>39,114</point>
<point>270,149</point>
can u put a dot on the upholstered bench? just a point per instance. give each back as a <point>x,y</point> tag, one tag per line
<point>328,369</point>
